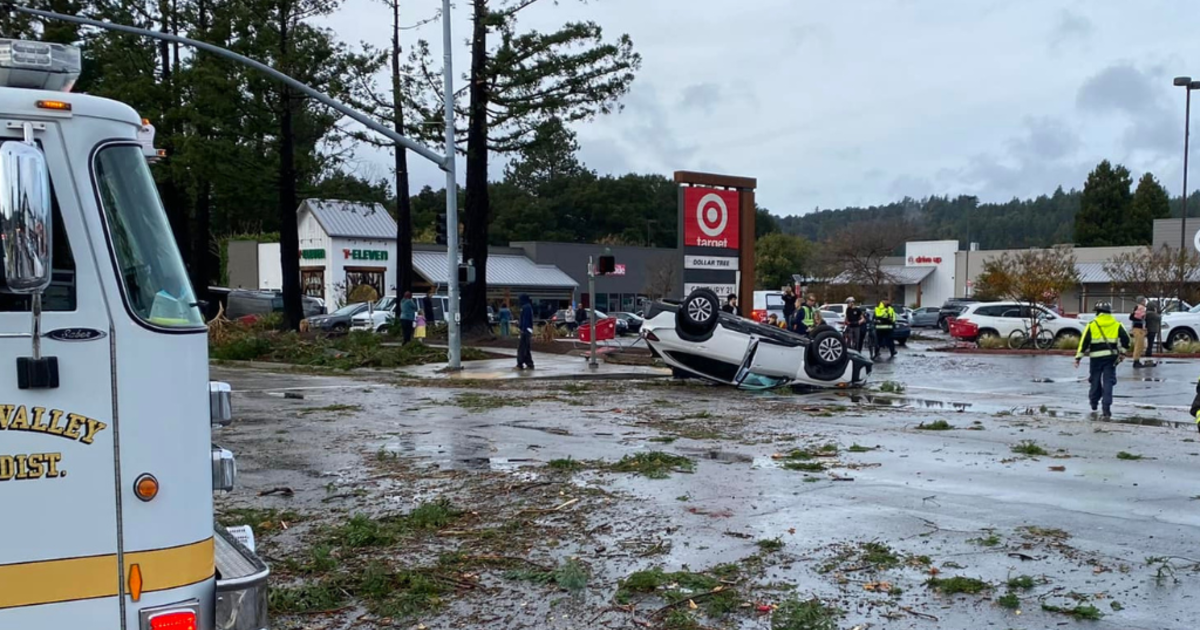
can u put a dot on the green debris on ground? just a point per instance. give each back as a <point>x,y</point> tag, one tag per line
<point>264,341</point>
<point>1086,612</point>
<point>991,540</point>
<point>1128,456</point>
<point>570,575</point>
<point>477,403</point>
<point>654,464</point>
<point>307,597</point>
<point>366,531</point>
<point>856,448</point>
<point>892,387</point>
<point>1009,600</point>
<point>1029,448</point>
<point>936,425</point>
<point>1048,533</point>
<point>810,614</point>
<point>679,586</point>
<point>1022,582</point>
<point>957,584</point>
<point>261,520</point>
<point>770,545</point>
<point>566,465</point>
<point>331,409</point>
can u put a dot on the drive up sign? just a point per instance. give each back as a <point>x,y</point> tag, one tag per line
<point>710,218</point>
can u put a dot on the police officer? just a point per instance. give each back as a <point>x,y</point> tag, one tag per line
<point>1104,340</point>
<point>885,320</point>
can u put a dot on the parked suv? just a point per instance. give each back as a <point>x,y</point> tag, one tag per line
<point>1001,319</point>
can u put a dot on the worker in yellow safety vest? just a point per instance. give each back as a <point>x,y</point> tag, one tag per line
<point>885,321</point>
<point>1104,341</point>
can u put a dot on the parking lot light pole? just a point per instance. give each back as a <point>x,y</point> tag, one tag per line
<point>592,312</point>
<point>1188,85</point>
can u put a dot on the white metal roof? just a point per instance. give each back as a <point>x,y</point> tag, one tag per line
<point>350,219</point>
<point>897,274</point>
<point>502,270</point>
<point>1092,273</point>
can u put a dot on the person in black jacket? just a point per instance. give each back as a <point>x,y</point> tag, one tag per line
<point>524,354</point>
<point>789,305</point>
<point>856,321</point>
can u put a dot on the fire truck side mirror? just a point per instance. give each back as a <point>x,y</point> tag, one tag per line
<point>25,221</point>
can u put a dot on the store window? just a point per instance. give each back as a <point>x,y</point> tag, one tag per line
<point>313,282</point>
<point>373,278</point>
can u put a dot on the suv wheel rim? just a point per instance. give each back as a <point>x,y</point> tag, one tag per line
<point>699,310</point>
<point>830,349</point>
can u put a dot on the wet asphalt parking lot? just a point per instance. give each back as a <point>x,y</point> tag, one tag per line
<point>1117,535</point>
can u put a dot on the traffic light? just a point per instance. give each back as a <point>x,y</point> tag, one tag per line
<point>441,229</point>
<point>607,265</point>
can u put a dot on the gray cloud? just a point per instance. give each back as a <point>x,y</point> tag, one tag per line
<point>1045,139</point>
<point>1121,88</point>
<point>1070,27</point>
<point>702,96</point>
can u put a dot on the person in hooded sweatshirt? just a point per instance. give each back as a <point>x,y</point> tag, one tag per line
<point>524,354</point>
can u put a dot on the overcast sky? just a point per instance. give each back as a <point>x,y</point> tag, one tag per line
<point>831,104</point>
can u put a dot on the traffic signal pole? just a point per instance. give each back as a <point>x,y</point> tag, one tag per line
<point>445,162</point>
<point>454,320</point>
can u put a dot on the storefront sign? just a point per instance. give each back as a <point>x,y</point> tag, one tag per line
<point>710,218</point>
<point>721,290</point>
<point>618,270</point>
<point>722,263</point>
<point>924,260</point>
<point>365,254</point>
<point>312,254</point>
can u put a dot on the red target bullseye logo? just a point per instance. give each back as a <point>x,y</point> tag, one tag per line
<point>712,214</point>
<point>710,218</point>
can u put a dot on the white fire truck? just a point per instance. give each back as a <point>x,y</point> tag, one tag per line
<point>105,417</point>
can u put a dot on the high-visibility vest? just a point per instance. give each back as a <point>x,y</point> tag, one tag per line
<point>1103,336</point>
<point>808,318</point>
<point>885,317</point>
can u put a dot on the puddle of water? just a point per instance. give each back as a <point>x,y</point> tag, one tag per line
<point>894,401</point>
<point>495,464</point>
<point>719,456</point>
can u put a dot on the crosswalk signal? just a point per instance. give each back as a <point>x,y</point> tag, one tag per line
<point>466,273</point>
<point>441,229</point>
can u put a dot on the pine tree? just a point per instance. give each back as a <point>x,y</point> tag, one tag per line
<point>1106,202</point>
<point>517,84</point>
<point>1150,202</point>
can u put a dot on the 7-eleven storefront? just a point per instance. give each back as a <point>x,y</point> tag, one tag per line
<point>344,245</point>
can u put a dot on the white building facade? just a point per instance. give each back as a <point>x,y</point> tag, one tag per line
<point>344,245</point>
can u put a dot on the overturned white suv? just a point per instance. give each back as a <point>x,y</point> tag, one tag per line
<point>696,339</point>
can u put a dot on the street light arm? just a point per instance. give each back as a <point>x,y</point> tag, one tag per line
<point>362,119</point>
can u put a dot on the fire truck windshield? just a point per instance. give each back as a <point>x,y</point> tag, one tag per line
<point>154,281</point>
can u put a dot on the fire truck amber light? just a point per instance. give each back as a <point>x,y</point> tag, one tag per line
<point>146,487</point>
<point>182,620</point>
<point>61,106</point>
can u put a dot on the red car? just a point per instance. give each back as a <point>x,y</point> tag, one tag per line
<point>963,329</point>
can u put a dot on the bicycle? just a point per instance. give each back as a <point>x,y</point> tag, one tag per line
<point>1032,335</point>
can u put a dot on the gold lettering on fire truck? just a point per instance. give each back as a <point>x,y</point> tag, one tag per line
<point>72,426</point>
<point>63,424</point>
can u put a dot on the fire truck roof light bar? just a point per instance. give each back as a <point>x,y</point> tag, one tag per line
<point>38,65</point>
<point>423,151</point>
